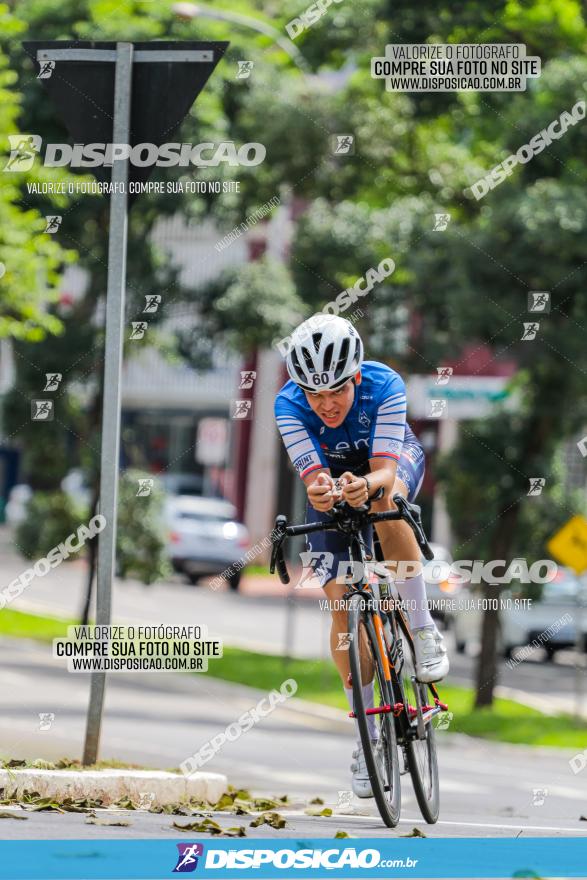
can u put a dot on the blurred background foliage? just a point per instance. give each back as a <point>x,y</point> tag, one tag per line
<point>416,154</point>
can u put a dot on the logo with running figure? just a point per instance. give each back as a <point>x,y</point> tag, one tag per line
<point>187,859</point>
<point>364,419</point>
<point>23,150</point>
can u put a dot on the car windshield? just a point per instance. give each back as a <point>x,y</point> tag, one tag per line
<point>564,588</point>
<point>203,517</point>
<point>187,484</point>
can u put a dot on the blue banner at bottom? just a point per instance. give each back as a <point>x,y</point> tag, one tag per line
<point>225,859</point>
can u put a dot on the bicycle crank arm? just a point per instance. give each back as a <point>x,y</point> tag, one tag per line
<point>428,712</point>
<point>382,710</point>
<point>442,707</point>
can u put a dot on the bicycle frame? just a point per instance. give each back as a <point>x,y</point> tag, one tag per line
<point>350,521</point>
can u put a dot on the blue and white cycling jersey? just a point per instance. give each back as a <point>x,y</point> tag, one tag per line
<point>375,425</point>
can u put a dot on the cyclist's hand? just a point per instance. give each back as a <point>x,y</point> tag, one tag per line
<point>320,494</point>
<point>354,489</point>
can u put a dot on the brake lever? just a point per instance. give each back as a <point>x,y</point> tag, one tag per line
<point>412,515</point>
<point>277,558</point>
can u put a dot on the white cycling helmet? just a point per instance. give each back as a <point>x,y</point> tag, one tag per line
<point>325,352</point>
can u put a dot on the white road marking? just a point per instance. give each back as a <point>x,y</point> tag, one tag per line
<point>419,821</point>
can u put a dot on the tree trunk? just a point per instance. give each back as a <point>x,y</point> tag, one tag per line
<point>92,554</point>
<point>538,435</point>
<point>95,422</point>
<point>486,672</point>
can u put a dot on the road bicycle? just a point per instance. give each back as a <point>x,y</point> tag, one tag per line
<point>382,650</point>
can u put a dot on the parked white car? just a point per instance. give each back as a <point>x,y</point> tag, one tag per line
<point>205,538</point>
<point>439,591</point>
<point>551,622</point>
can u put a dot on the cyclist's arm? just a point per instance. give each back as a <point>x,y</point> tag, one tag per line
<point>381,473</point>
<point>301,445</point>
<point>389,427</point>
<point>385,443</point>
<point>306,456</point>
<point>319,486</point>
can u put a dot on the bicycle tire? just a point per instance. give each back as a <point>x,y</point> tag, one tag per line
<point>421,754</point>
<point>361,627</point>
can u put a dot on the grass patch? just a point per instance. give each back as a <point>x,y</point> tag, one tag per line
<point>19,625</point>
<point>70,764</point>
<point>318,681</point>
<point>258,570</point>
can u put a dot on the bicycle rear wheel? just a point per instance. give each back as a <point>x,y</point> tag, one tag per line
<point>421,753</point>
<point>366,665</point>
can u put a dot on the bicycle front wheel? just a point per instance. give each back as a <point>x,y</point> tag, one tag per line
<point>420,751</point>
<point>366,666</point>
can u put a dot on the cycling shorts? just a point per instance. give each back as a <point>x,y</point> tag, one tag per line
<point>327,553</point>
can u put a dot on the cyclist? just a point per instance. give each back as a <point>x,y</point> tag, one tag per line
<point>343,423</point>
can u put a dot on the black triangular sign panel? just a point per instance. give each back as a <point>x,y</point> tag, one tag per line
<point>162,94</point>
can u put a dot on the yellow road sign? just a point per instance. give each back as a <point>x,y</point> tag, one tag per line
<point>569,544</point>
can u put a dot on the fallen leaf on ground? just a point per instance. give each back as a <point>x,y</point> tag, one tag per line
<point>415,832</point>
<point>41,764</point>
<point>208,825</point>
<point>316,811</point>
<point>236,831</point>
<point>212,827</point>
<point>101,821</point>
<point>272,819</point>
<point>7,814</point>
<point>263,804</point>
<point>125,803</point>
<point>47,804</point>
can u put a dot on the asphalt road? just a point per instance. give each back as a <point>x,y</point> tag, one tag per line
<point>270,618</point>
<point>159,719</point>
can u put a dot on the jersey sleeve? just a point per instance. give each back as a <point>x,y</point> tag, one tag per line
<point>302,446</point>
<point>387,434</point>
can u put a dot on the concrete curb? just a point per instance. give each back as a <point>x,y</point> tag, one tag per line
<point>156,787</point>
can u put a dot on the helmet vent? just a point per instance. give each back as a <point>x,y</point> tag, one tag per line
<point>296,362</point>
<point>344,351</point>
<point>308,359</point>
<point>328,352</point>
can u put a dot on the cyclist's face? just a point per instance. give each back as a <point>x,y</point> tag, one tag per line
<point>333,406</point>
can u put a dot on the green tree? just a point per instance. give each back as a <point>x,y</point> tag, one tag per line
<point>30,260</point>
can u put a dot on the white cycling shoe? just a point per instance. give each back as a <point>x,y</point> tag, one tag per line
<point>431,657</point>
<point>361,784</point>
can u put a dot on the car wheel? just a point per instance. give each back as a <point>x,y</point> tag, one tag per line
<point>234,581</point>
<point>460,647</point>
<point>193,579</point>
<point>550,653</point>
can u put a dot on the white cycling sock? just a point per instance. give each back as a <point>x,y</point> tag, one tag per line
<point>413,592</point>
<point>368,698</point>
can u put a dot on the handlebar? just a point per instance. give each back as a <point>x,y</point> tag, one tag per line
<point>349,520</point>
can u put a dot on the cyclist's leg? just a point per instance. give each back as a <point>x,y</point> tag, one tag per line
<point>328,555</point>
<point>339,642</point>
<point>400,546</point>
<point>397,540</point>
